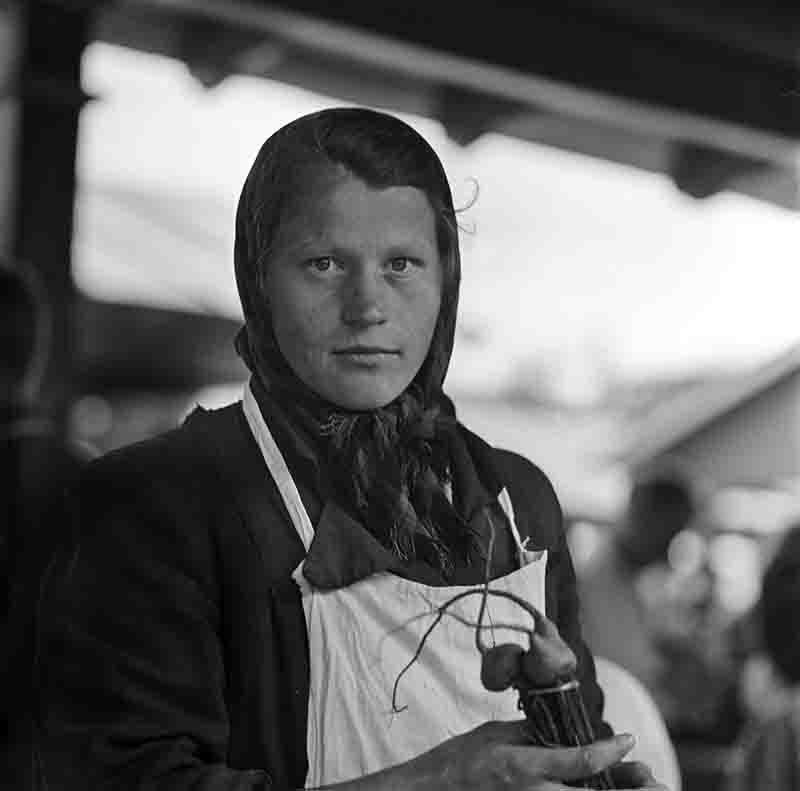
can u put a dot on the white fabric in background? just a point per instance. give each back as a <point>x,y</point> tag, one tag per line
<point>629,708</point>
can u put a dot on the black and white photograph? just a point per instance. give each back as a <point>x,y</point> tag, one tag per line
<point>399,396</point>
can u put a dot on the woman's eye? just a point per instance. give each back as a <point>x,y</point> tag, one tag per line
<point>400,265</point>
<point>323,264</point>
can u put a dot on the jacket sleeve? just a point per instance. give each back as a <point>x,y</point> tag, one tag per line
<point>131,666</point>
<point>568,623</point>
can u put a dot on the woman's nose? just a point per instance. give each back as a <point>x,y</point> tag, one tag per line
<point>364,299</point>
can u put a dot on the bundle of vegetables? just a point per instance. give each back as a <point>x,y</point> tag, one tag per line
<point>549,692</point>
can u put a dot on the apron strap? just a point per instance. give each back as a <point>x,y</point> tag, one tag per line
<point>277,467</point>
<point>524,555</point>
<point>505,503</point>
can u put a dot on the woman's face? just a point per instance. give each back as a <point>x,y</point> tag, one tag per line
<point>354,285</point>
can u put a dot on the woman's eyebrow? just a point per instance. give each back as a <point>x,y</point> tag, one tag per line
<point>410,251</point>
<point>411,244</point>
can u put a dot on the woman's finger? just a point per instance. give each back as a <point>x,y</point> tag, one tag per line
<point>576,763</point>
<point>654,786</point>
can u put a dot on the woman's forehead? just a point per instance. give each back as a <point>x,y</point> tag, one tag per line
<point>347,209</point>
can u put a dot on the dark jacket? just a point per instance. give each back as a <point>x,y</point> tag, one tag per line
<point>174,647</point>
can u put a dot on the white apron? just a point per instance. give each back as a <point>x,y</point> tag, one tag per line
<point>362,636</point>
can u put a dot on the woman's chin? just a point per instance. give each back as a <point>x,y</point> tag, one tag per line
<point>362,402</point>
<point>361,399</point>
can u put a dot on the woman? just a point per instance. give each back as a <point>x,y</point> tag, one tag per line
<point>244,590</point>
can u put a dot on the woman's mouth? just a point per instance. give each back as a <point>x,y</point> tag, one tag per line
<point>366,355</point>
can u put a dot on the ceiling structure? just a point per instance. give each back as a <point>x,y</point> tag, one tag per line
<point>706,92</point>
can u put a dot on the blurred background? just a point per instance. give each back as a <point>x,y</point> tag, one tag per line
<point>630,179</point>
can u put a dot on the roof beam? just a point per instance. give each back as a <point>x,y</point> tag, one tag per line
<point>569,62</point>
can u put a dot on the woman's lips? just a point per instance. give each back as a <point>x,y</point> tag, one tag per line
<point>366,355</point>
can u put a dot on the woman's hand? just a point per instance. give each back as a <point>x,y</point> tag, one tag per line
<point>498,756</point>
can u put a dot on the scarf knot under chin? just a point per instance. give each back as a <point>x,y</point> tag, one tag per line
<point>391,467</point>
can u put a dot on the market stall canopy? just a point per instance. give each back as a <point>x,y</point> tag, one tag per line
<point>706,92</point>
<point>132,348</point>
<point>741,430</point>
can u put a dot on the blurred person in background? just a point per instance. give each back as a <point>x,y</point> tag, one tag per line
<point>36,466</point>
<point>660,622</point>
<point>229,616</point>
<point>614,617</point>
<point>768,754</point>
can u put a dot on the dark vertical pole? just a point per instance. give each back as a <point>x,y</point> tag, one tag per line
<point>55,34</point>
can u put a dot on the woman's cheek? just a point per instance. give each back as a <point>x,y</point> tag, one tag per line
<point>315,362</point>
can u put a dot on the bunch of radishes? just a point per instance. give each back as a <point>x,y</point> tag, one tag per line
<point>544,676</point>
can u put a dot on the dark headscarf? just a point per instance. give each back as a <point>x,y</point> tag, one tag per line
<point>388,467</point>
